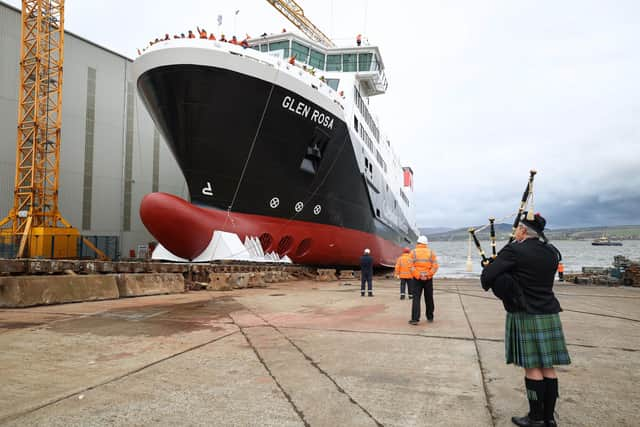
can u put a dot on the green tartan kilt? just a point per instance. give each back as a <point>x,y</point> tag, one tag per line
<point>535,340</point>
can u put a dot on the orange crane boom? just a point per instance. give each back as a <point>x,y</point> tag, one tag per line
<point>294,13</point>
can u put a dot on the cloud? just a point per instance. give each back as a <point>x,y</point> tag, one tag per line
<point>479,93</point>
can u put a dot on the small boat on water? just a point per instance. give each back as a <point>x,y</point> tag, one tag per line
<point>605,241</point>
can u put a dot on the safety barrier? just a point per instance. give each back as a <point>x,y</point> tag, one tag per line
<point>60,245</point>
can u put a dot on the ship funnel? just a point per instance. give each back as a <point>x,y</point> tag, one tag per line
<point>408,177</point>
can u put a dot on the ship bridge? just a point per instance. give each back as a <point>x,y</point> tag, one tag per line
<point>364,61</point>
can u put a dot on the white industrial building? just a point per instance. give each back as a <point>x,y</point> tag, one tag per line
<point>111,153</point>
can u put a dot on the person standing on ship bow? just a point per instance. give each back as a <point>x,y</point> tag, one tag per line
<point>366,272</point>
<point>522,277</point>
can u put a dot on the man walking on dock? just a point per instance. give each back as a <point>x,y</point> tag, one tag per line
<point>424,265</point>
<point>366,272</point>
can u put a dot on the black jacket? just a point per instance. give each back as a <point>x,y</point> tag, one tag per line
<point>510,293</point>
<point>366,265</point>
<point>523,273</point>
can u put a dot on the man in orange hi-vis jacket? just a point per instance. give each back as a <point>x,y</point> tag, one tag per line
<point>561,271</point>
<point>424,265</point>
<point>403,272</point>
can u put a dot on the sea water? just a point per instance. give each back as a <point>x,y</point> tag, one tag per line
<point>452,256</point>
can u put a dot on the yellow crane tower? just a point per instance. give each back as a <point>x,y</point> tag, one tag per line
<point>35,218</point>
<point>294,13</point>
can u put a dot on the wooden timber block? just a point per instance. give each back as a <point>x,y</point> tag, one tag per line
<point>326,275</point>
<point>346,275</point>
<point>219,282</point>
<point>256,280</point>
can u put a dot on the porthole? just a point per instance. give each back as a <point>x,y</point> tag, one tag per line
<point>274,203</point>
<point>299,206</point>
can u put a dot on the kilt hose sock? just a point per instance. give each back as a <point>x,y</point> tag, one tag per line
<point>550,396</point>
<point>536,397</point>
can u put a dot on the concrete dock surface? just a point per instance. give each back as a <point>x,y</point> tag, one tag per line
<point>308,353</point>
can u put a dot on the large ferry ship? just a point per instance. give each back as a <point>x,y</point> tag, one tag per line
<point>276,141</point>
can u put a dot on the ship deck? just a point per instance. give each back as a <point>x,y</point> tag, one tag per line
<point>308,353</point>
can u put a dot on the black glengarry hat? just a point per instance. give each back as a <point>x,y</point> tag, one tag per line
<point>537,223</point>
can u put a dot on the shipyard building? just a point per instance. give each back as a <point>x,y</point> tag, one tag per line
<point>111,154</point>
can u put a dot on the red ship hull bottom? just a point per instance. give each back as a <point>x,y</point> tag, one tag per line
<point>186,230</point>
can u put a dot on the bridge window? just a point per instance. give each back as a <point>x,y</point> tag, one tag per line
<point>374,65</point>
<point>334,62</point>
<point>316,60</point>
<point>349,62</point>
<point>364,61</point>
<point>333,83</point>
<point>300,51</point>
<point>264,47</point>
<point>283,46</point>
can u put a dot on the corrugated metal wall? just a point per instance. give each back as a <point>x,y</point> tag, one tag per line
<point>109,146</point>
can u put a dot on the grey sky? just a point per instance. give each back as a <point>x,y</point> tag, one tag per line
<point>480,92</point>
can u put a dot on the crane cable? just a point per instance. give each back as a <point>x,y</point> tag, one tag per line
<point>246,161</point>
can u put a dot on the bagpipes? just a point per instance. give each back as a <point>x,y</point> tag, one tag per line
<point>526,196</point>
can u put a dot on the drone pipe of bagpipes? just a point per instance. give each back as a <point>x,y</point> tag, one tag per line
<point>493,237</point>
<point>523,203</point>
<point>485,260</point>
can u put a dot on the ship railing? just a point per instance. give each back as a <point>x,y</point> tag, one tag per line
<point>272,61</point>
<point>294,70</point>
<point>382,82</point>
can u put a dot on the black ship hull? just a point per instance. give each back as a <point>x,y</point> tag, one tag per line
<point>253,149</point>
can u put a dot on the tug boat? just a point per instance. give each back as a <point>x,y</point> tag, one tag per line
<point>276,141</point>
<point>605,241</point>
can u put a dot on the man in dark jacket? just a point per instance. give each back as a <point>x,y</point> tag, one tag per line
<point>522,276</point>
<point>366,272</point>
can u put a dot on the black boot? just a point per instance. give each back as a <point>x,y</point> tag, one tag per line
<point>550,397</point>
<point>527,422</point>
<point>535,394</point>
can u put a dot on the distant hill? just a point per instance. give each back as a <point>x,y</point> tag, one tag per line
<point>503,231</point>
<point>434,230</point>
<point>620,232</point>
